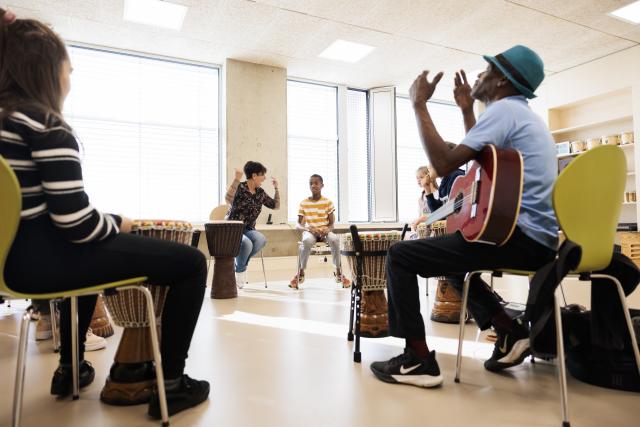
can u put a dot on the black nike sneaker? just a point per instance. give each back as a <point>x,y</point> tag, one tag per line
<point>511,348</point>
<point>409,368</point>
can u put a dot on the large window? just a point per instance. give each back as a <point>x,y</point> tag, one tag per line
<point>149,134</point>
<point>312,141</point>
<point>411,155</point>
<point>358,156</point>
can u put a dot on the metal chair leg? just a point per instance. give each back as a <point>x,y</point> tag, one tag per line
<point>463,315</point>
<point>55,327</point>
<point>564,298</point>
<point>157,357</point>
<point>75,362</point>
<point>299,266</point>
<point>562,372</point>
<point>627,316</point>
<point>209,261</point>
<point>18,390</point>
<point>264,272</point>
<point>357,356</point>
<point>351,313</point>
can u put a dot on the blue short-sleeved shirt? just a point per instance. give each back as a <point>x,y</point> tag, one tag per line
<point>510,122</point>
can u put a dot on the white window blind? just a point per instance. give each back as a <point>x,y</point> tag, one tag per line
<point>358,156</point>
<point>149,134</point>
<point>383,154</point>
<point>312,141</point>
<point>411,155</point>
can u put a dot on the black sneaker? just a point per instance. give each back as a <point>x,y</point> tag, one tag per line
<point>62,383</point>
<point>409,368</point>
<point>187,394</point>
<point>510,349</point>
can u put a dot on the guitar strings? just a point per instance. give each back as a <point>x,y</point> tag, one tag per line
<point>457,203</point>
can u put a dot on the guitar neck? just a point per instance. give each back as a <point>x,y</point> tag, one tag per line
<point>442,212</point>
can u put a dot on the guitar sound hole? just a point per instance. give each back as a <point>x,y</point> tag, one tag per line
<point>458,204</point>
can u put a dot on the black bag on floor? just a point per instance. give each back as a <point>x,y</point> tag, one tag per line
<point>596,365</point>
<point>597,343</point>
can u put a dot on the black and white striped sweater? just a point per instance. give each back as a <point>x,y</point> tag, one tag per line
<point>46,160</point>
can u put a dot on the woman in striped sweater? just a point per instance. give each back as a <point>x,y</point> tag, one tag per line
<point>63,242</point>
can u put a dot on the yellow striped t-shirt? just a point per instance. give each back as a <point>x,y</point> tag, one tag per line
<point>316,212</point>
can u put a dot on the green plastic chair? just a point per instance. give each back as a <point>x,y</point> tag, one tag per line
<point>11,202</point>
<point>590,224</point>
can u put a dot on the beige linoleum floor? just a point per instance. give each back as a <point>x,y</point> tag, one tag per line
<point>276,357</point>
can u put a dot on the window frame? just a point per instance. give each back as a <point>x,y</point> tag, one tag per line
<point>221,147</point>
<point>337,203</point>
<point>431,101</point>
<point>345,171</point>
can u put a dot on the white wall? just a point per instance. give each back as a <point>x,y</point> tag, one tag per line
<point>611,73</point>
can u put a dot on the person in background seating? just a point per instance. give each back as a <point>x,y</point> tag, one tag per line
<point>246,200</point>
<point>316,217</point>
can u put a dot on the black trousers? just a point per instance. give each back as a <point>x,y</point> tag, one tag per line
<point>40,260</point>
<point>452,256</point>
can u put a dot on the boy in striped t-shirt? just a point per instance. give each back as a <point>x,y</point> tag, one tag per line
<point>316,218</point>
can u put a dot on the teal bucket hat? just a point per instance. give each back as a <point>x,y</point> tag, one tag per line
<point>522,66</point>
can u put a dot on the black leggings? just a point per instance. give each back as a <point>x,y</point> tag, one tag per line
<point>452,256</point>
<point>42,261</point>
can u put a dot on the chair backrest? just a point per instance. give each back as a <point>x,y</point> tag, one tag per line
<point>11,203</point>
<point>587,199</point>
<point>219,212</point>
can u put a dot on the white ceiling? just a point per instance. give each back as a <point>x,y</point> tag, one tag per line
<point>409,35</point>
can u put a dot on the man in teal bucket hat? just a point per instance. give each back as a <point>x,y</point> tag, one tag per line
<point>522,66</point>
<point>510,78</point>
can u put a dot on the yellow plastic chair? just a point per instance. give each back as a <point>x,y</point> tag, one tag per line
<point>11,202</point>
<point>589,223</point>
<point>219,212</point>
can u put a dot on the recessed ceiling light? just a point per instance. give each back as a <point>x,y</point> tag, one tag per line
<point>342,50</point>
<point>155,12</point>
<point>629,13</point>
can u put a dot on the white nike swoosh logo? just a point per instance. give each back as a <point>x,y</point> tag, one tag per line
<point>503,348</point>
<point>404,371</point>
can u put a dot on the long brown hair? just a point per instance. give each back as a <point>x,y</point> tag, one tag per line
<point>31,59</point>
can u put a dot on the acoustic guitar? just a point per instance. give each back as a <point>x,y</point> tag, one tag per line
<point>484,203</point>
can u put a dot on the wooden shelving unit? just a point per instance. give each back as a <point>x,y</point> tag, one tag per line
<point>564,156</point>
<point>596,117</point>
<point>592,125</point>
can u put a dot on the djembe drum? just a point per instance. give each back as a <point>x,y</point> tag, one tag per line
<point>128,309</point>
<point>447,305</point>
<point>374,320</point>
<point>223,240</point>
<point>100,323</point>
